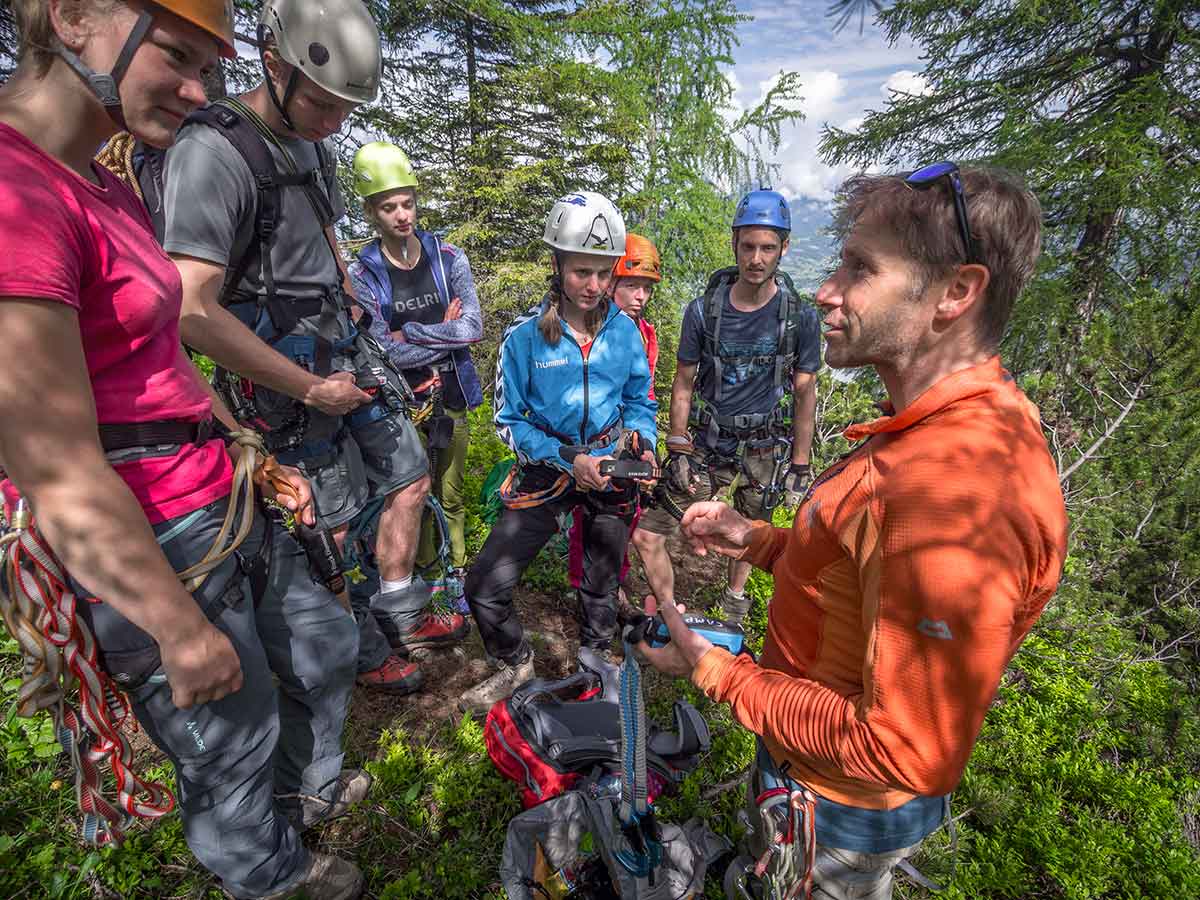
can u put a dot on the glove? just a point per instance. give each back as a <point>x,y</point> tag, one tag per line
<point>679,472</point>
<point>679,463</point>
<point>795,483</point>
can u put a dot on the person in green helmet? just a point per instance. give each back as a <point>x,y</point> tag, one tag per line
<point>425,312</point>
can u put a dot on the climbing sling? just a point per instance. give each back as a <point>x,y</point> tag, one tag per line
<point>42,612</point>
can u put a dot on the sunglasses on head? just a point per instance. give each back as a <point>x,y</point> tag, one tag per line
<point>927,176</point>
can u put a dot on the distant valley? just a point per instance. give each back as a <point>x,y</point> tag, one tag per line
<point>811,246</point>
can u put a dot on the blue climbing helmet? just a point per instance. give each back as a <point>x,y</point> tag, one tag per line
<point>767,209</point>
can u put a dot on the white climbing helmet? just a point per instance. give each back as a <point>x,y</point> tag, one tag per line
<point>585,222</point>
<point>334,42</point>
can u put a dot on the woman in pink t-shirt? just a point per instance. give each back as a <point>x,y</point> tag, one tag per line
<point>89,310</point>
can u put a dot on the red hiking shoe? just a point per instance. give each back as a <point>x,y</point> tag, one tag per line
<point>437,629</point>
<point>396,676</point>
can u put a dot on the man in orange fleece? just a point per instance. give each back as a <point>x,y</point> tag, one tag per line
<point>917,563</point>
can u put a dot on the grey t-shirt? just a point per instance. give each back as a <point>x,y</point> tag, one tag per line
<point>749,386</point>
<point>209,201</point>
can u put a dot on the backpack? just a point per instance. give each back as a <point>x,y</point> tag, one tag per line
<point>238,125</point>
<point>550,734</point>
<point>561,741</point>
<point>709,389</point>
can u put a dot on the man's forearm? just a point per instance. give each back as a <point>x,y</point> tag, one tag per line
<point>681,399</point>
<point>221,336</point>
<point>804,414</point>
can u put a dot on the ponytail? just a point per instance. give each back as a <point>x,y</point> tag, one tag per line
<point>550,323</point>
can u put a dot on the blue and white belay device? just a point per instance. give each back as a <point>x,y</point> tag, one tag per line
<point>652,630</point>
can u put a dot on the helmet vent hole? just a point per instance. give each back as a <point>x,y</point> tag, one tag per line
<point>318,53</point>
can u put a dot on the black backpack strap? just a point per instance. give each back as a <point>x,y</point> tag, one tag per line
<point>785,346</point>
<point>711,307</point>
<point>149,166</point>
<point>242,135</point>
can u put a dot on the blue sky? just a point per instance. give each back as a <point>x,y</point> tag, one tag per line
<point>842,75</point>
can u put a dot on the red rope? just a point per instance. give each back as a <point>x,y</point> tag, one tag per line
<point>91,735</point>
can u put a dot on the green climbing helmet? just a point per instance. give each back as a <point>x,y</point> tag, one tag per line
<point>379,167</point>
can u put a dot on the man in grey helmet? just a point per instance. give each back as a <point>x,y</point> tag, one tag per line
<point>249,202</point>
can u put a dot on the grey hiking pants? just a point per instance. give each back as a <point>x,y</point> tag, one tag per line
<point>373,646</point>
<point>240,761</point>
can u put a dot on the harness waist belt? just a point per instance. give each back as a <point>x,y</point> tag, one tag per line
<point>128,435</point>
<point>601,439</point>
<point>740,426</point>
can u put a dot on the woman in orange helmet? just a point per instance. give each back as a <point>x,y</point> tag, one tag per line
<point>634,277</point>
<point>109,439</point>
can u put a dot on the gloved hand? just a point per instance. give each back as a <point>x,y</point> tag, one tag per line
<point>679,472</point>
<point>795,483</point>
<point>679,463</point>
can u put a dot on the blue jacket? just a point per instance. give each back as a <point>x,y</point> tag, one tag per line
<point>549,397</point>
<point>426,344</point>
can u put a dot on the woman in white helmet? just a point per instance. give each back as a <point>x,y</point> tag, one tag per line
<point>572,376</point>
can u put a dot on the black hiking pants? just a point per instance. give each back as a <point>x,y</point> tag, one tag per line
<point>515,540</point>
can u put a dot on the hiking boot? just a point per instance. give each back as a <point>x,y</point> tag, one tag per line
<point>735,606</point>
<point>353,785</point>
<point>327,878</point>
<point>396,676</point>
<point>439,628</point>
<point>488,693</point>
<point>602,654</point>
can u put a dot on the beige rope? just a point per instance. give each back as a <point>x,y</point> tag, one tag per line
<point>253,465</point>
<point>117,157</point>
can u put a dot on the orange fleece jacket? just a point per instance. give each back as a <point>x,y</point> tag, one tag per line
<point>912,572</point>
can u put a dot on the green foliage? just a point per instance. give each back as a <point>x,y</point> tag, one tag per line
<point>446,810</point>
<point>1060,781</point>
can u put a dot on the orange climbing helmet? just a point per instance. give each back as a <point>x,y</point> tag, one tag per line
<point>640,259</point>
<point>213,16</point>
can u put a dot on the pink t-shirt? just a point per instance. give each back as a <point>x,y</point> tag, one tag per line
<point>66,240</point>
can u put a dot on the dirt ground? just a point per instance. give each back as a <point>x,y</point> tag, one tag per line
<point>550,620</point>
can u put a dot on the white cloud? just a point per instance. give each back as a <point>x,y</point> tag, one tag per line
<point>905,82</point>
<point>819,93</point>
<point>842,75</point>
<point>734,111</point>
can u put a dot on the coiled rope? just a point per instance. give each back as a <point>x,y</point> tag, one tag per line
<point>117,157</point>
<point>59,654</point>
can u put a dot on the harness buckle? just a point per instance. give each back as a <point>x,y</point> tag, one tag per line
<point>205,431</point>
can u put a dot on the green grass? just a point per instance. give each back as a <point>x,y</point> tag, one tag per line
<point>1083,785</point>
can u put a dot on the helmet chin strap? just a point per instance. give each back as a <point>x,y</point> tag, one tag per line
<point>106,86</point>
<point>264,35</point>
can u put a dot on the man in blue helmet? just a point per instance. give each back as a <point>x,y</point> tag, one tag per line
<point>744,398</point>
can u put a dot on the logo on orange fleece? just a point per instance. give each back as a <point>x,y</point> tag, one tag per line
<point>938,629</point>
